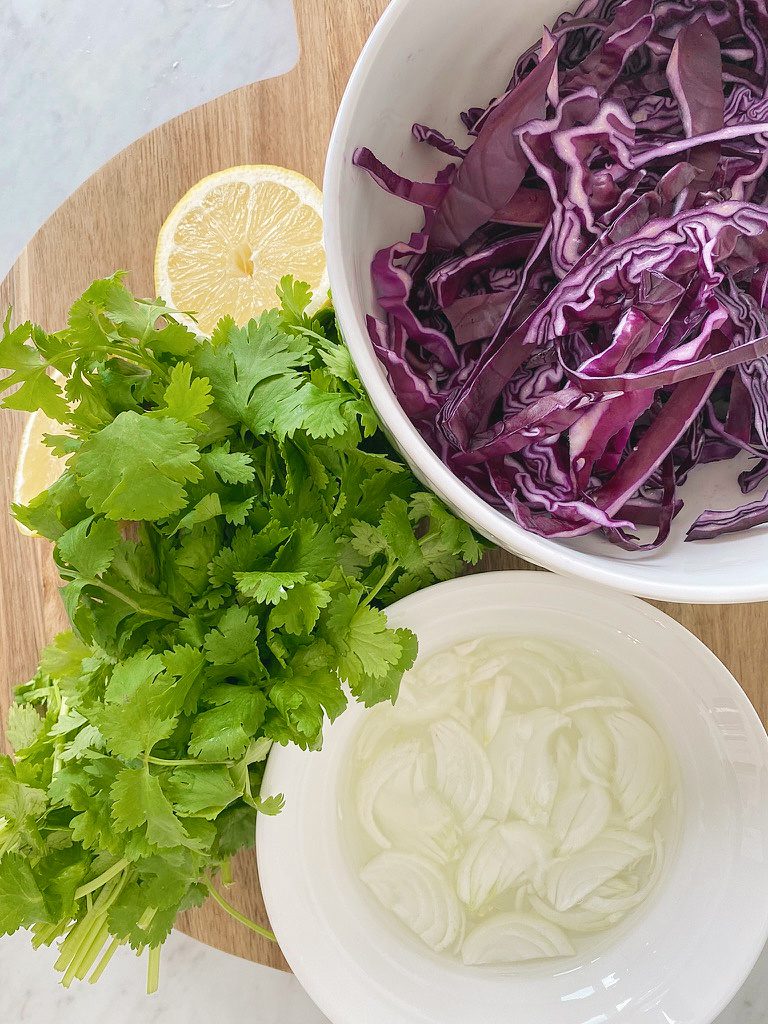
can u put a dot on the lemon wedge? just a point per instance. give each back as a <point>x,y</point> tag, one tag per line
<point>37,467</point>
<point>229,240</point>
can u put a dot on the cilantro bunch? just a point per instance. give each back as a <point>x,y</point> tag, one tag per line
<point>229,525</point>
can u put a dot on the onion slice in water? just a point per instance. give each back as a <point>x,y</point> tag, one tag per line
<point>400,758</point>
<point>525,776</point>
<point>497,859</point>
<point>579,815</point>
<point>417,891</point>
<point>462,769</point>
<point>415,818</point>
<point>569,880</point>
<point>640,766</point>
<point>514,937</point>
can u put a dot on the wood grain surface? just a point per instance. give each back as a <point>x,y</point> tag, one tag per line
<point>112,222</point>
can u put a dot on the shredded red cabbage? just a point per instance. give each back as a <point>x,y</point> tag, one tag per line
<point>583,317</point>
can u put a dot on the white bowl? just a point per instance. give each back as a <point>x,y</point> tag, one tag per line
<point>425,61</point>
<point>684,955</point>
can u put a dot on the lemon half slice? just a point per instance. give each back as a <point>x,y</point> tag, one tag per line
<point>229,240</point>
<point>37,467</point>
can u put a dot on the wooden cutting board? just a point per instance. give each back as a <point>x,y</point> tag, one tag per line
<point>111,222</point>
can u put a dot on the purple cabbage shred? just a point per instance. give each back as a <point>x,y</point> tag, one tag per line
<point>582,319</point>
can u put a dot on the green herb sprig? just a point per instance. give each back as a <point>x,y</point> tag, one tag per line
<point>229,526</point>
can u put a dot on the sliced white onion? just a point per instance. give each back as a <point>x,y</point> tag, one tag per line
<point>431,688</point>
<point>512,794</point>
<point>419,894</point>
<point>462,770</point>
<point>641,768</point>
<point>414,818</point>
<point>487,669</point>
<point>494,707</point>
<point>618,897</point>
<point>506,752</point>
<point>596,757</point>
<point>469,647</point>
<point>499,858</point>
<point>601,703</point>
<point>401,758</point>
<point>579,815</point>
<point>522,897</point>
<point>525,774</point>
<point>569,880</point>
<point>486,704</point>
<point>512,938</point>
<point>530,684</point>
<point>575,920</point>
<point>593,685</point>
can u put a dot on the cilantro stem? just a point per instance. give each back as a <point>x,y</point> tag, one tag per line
<point>389,571</point>
<point>100,585</point>
<point>146,918</point>
<point>184,762</point>
<point>87,958</point>
<point>130,602</point>
<point>225,872</point>
<point>101,966</point>
<point>267,467</point>
<point>44,935</point>
<point>226,905</point>
<point>129,354</point>
<point>86,938</point>
<point>103,878</point>
<point>153,969</point>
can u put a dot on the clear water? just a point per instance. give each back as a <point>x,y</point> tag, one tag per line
<point>514,805</point>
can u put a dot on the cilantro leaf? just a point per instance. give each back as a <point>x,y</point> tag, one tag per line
<point>234,638</point>
<point>298,611</point>
<point>269,804</point>
<point>253,376</point>
<point>371,689</point>
<point>447,534</point>
<point>397,529</point>
<point>89,546</point>
<point>223,732</point>
<point>21,902</point>
<point>362,638</point>
<point>138,710</point>
<point>24,726</point>
<point>203,790</point>
<point>268,587</point>
<point>140,806</point>
<point>294,298</point>
<point>206,509</point>
<point>186,399</point>
<point>52,512</point>
<point>368,540</point>
<point>235,829</point>
<point>301,703</point>
<point>28,364</point>
<point>135,468</point>
<point>21,805</point>
<point>230,467</point>
<point>245,551</point>
<point>321,412</point>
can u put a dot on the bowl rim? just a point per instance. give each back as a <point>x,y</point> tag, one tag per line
<point>489,521</point>
<point>270,844</point>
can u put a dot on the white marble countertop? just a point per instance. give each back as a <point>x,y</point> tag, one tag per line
<point>200,985</point>
<point>83,79</point>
